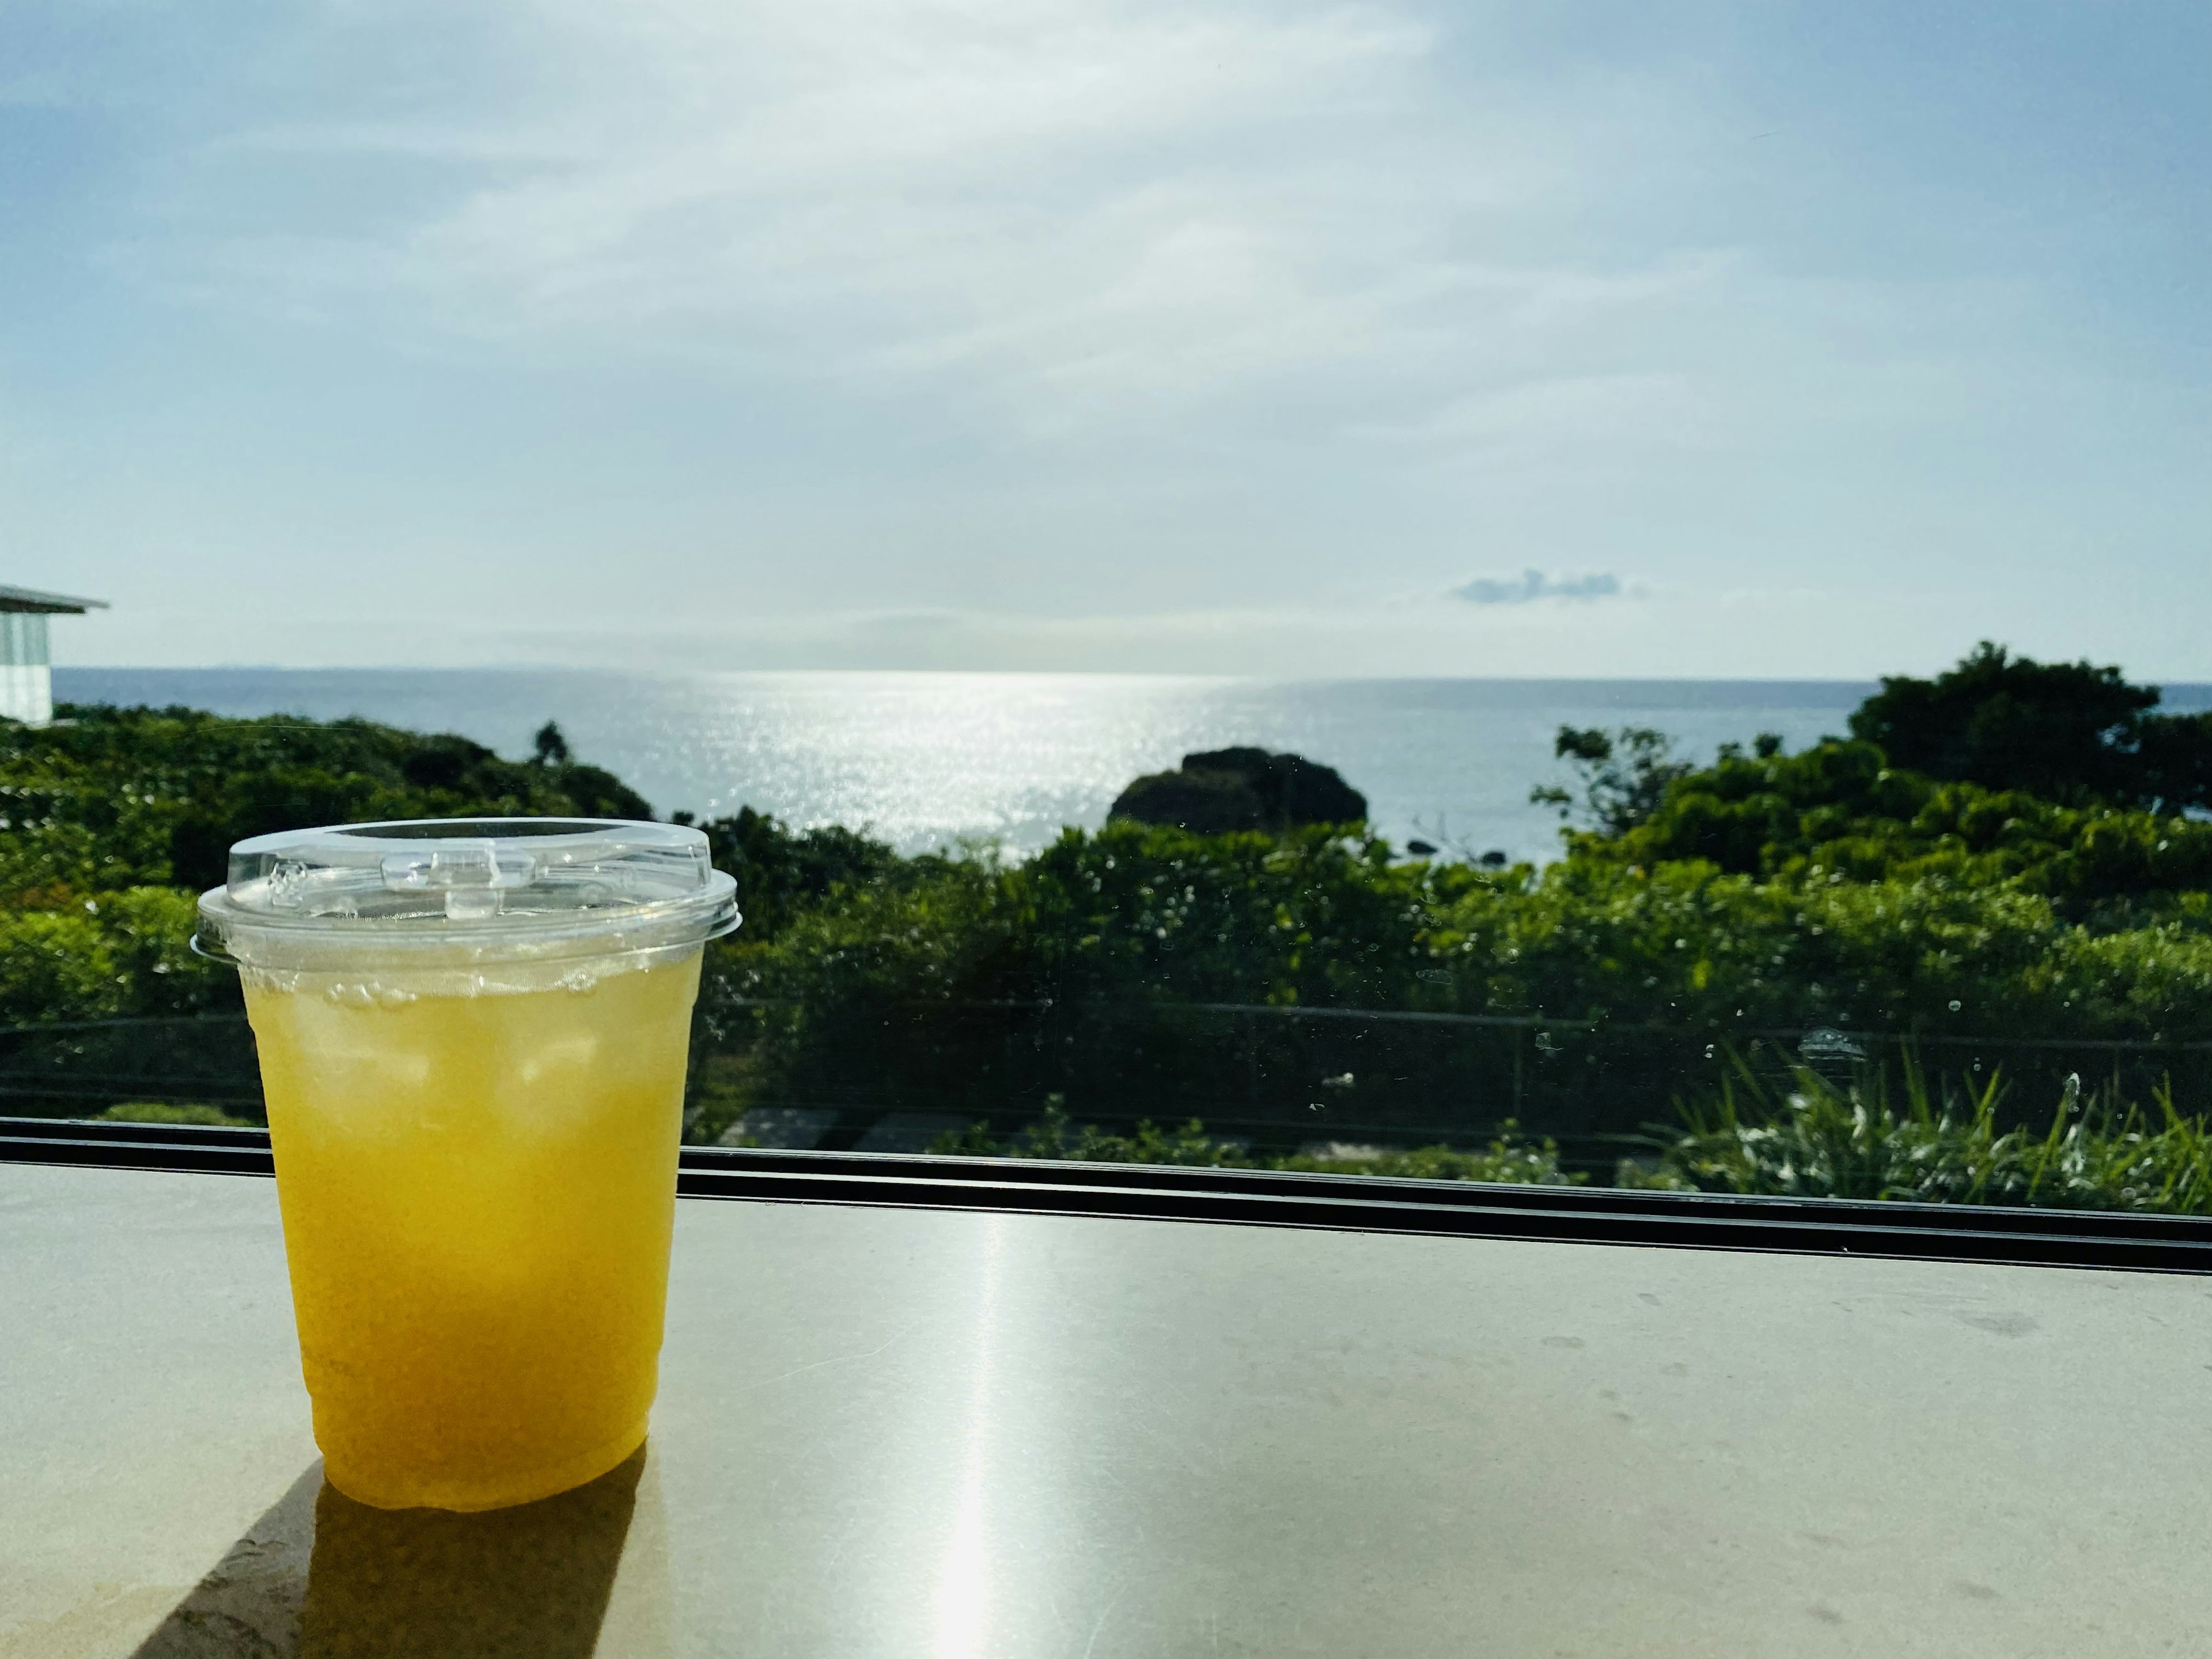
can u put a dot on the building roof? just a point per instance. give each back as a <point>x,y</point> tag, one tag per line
<point>29,598</point>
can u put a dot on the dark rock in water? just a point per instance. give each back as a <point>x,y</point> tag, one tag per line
<point>1292,789</point>
<point>1421,849</point>
<point>1223,789</point>
<point>1210,803</point>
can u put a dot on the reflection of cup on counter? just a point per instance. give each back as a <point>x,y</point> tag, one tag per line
<point>473,1037</point>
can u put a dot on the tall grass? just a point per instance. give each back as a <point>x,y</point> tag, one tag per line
<point>1807,1135</point>
<point>1872,1137</point>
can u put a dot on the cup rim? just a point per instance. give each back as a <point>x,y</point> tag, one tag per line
<point>347,892</point>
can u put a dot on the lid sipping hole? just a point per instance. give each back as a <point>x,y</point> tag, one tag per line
<point>478,863</point>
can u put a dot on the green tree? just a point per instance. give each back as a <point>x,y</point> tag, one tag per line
<point>111,821</point>
<point>119,797</point>
<point>2069,732</point>
<point>781,872</point>
<point>1622,776</point>
<point>550,745</point>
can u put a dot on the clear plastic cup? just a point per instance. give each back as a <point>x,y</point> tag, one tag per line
<point>473,1039</point>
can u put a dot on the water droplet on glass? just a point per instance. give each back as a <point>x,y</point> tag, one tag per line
<point>1825,1042</point>
<point>1956,1005</point>
<point>1711,1051</point>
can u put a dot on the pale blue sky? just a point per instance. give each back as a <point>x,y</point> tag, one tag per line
<point>1191,336</point>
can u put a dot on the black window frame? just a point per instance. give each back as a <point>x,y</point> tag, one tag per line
<point>2120,1240</point>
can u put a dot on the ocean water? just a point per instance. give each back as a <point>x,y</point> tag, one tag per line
<point>925,759</point>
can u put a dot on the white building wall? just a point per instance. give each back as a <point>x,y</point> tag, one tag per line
<point>27,683</point>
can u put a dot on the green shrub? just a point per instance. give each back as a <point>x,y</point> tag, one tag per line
<point>780,873</point>
<point>117,798</point>
<point>57,964</point>
<point>1841,810</point>
<point>112,822</point>
<point>1815,1137</point>
<point>1506,1159</point>
<point>1053,1135</point>
<point>1509,1159</point>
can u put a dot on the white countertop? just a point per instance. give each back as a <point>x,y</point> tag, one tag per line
<point>946,1435</point>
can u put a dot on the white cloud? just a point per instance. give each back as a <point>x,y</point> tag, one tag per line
<point>1532,585</point>
<point>1054,214</point>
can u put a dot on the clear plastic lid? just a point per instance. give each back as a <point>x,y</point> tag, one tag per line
<point>487,888</point>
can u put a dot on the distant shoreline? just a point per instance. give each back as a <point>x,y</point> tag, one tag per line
<point>994,674</point>
<point>2193,693</point>
<point>922,759</point>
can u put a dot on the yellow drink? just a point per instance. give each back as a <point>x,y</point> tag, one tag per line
<point>477,1184</point>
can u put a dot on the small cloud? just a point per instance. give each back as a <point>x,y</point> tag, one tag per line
<point>1535,585</point>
